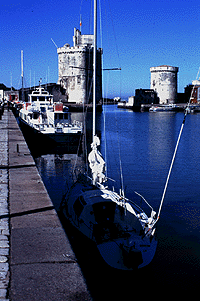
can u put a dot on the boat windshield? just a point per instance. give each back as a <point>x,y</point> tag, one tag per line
<point>62,116</point>
<point>39,98</point>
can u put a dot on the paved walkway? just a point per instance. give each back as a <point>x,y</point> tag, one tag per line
<point>4,221</point>
<point>36,259</point>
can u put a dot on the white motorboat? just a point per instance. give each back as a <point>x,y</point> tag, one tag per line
<point>49,119</point>
<point>163,108</point>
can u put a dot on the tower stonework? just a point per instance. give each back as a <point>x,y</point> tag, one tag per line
<point>75,69</point>
<point>164,82</point>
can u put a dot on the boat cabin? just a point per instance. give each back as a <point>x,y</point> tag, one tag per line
<point>99,217</point>
<point>41,97</point>
<point>58,115</point>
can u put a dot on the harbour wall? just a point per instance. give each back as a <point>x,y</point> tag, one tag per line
<point>39,263</point>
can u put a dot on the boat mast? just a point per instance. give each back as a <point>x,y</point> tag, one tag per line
<point>94,69</point>
<point>22,74</point>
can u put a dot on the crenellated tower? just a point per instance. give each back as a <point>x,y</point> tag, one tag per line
<point>75,67</point>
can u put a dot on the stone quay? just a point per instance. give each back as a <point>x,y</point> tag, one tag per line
<point>36,258</point>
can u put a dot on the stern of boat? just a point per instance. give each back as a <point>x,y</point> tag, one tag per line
<point>128,255</point>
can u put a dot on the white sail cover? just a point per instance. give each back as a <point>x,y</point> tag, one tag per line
<point>96,162</point>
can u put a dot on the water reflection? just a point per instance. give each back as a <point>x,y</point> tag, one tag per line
<point>58,172</point>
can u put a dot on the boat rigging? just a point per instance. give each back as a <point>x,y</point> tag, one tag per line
<point>120,229</point>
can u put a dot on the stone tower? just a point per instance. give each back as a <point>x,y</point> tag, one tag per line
<point>164,82</point>
<point>75,66</point>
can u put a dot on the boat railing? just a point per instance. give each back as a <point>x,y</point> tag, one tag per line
<point>59,130</point>
<point>142,198</point>
<point>77,123</point>
<point>50,120</point>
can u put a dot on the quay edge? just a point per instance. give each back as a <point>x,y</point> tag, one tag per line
<point>180,107</point>
<point>42,264</point>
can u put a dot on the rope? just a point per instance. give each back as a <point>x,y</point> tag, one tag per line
<point>73,171</point>
<point>175,151</point>
<point>120,161</point>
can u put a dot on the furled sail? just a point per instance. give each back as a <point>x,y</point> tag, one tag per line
<point>96,162</point>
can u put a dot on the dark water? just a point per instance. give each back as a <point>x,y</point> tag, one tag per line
<point>147,142</point>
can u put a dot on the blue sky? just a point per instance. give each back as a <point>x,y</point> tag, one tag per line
<point>136,35</point>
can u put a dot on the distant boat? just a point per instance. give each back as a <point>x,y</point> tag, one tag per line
<point>52,121</point>
<point>123,233</point>
<point>163,108</point>
<point>126,104</point>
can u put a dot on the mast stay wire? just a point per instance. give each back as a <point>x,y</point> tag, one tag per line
<point>116,44</point>
<point>120,161</point>
<point>118,134</point>
<point>104,109</point>
<point>175,151</point>
<point>118,139</point>
<point>105,91</point>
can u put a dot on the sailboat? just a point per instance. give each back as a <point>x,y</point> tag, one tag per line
<point>123,233</point>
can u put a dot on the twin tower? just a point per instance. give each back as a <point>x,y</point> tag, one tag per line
<point>164,82</point>
<point>75,65</point>
<point>75,69</point>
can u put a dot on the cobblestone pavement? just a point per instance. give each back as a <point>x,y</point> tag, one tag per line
<point>4,220</point>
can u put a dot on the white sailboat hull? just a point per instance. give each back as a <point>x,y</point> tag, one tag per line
<point>120,234</point>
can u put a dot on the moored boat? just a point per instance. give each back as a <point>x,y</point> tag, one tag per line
<point>123,232</point>
<point>50,120</point>
<point>163,108</point>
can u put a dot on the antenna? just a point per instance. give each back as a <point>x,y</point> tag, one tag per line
<point>54,43</point>
<point>80,23</point>
<point>11,80</point>
<point>22,67</point>
<point>48,75</point>
<point>22,74</point>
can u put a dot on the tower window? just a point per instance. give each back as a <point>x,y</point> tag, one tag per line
<point>78,79</point>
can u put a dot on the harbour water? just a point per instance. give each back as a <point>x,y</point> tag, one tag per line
<point>145,143</point>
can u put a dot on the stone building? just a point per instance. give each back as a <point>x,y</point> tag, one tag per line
<point>145,96</point>
<point>192,92</point>
<point>8,94</point>
<point>164,82</point>
<point>75,67</point>
<point>11,95</point>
